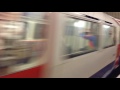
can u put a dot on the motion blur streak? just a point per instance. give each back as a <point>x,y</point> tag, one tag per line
<point>23,40</point>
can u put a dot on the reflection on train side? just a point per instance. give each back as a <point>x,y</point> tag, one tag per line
<point>22,41</point>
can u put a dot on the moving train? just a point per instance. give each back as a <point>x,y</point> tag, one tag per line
<point>58,44</point>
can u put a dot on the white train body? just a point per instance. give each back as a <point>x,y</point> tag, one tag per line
<point>96,64</point>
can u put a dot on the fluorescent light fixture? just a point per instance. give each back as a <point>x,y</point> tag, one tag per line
<point>80,24</point>
<point>106,26</point>
<point>10,26</point>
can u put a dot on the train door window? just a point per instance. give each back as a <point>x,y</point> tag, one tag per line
<point>108,33</point>
<point>80,36</point>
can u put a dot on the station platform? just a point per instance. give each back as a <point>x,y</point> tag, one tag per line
<point>115,73</point>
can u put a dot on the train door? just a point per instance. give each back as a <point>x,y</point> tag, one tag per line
<point>23,44</point>
<point>118,49</point>
<point>117,59</point>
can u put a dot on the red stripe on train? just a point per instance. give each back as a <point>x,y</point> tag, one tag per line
<point>117,56</point>
<point>36,72</point>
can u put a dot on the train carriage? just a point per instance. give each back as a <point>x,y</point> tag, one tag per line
<point>59,44</point>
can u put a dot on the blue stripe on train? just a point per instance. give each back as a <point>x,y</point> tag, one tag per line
<point>103,71</point>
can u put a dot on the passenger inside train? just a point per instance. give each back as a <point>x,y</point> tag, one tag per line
<point>92,39</point>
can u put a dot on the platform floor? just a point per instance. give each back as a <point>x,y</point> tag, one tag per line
<point>115,73</point>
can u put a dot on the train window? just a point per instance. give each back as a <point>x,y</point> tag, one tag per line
<point>10,31</point>
<point>39,31</point>
<point>108,36</point>
<point>80,36</point>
